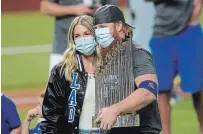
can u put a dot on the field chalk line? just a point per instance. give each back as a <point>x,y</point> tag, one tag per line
<point>26,49</point>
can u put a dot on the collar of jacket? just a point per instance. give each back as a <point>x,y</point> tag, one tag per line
<point>82,78</point>
<point>80,65</point>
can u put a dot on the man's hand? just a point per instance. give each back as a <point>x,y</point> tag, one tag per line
<point>32,113</point>
<point>107,118</point>
<point>82,9</point>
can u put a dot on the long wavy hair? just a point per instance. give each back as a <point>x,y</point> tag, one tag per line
<point>69,60</point>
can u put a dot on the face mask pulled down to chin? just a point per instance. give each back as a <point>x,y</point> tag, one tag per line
<point>86,45</point>
<point>104,37</point>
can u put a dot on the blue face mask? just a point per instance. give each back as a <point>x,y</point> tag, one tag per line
<point>86,45</point>
<point>104,37</point>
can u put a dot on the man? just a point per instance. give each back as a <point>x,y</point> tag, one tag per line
<point>65,11</point>
<point>111,29</point>
<point>33,113</point>
<point>177,47</point>
<point>10,121</point>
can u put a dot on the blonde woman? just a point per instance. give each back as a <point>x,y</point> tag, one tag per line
<point>69,98</point>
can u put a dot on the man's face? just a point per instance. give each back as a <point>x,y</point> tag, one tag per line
<point>115,29</point>
<point>111,26</point>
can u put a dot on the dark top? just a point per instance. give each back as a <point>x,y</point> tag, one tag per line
<point>142,61</point>
<point>9,115</point>
<point>172,16</point>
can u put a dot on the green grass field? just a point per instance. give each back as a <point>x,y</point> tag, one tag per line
<point>25,70</point>
<point>24,29</point>
<point>31,70</point>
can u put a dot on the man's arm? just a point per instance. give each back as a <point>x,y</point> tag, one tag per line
<point>51,7</point>
<point>143,66</point>
<point>140,98</point>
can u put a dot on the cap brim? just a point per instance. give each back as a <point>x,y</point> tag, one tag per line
<point>129,25</point>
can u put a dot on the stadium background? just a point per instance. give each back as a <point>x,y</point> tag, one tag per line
<point>26,45</point>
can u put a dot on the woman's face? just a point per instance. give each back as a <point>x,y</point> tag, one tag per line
<point>81,31</point>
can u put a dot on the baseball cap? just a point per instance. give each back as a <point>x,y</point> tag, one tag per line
<point>108,14</point>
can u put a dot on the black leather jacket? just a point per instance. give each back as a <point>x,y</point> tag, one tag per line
<point>61,113</point>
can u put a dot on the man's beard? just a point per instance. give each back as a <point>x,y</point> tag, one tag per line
<point>110,53</point>
<point>105,51</point>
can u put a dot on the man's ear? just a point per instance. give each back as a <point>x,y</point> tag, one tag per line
<point>119,26</point>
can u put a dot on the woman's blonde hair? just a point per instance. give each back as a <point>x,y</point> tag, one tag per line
<point>69,57</point>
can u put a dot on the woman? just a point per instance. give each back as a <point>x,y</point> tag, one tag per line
<point>69,98</point>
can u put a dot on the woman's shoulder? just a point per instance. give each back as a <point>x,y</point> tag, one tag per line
<point>57,79</point>
<point>58,70</point>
